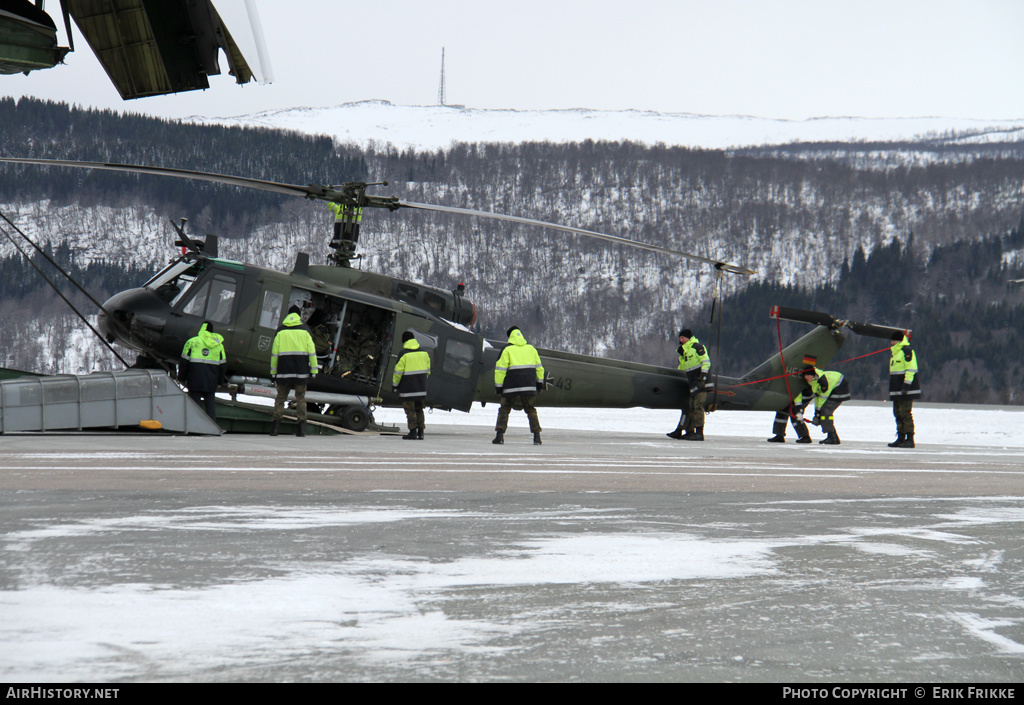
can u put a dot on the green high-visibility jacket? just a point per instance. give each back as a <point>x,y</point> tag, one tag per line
<point>411,371</point>
<point>827,385</point>
<point>204,360</point>
<point>519,369</point>
<point>695,362</point>
<point>293,356</point>
<point>903,377</point>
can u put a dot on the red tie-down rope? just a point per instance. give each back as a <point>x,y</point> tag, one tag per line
<point>787,375</point>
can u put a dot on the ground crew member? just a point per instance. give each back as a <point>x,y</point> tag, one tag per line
<point>204,367</point>
<point>518,375</point>
<point>292,364</point>
<point>904,388</point>
<point>347,220</point>
<point>830,389</point>
<point>794,412</point>
<point>410,381</point>
<point>695,362</point>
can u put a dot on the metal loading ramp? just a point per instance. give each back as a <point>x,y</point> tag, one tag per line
<point>100,400</point>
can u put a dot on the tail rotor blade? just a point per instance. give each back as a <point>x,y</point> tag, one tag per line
<point>823,319</point>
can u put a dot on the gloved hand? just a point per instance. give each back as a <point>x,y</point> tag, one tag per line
<point>540,386</point>
<point>498,390</point>
<point>816,420</point>
<point>273,379</point>
<point>799,417</point>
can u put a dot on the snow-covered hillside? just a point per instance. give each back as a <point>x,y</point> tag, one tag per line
<point>436,127</point>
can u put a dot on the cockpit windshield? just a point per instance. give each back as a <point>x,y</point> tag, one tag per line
<point>174,281</point>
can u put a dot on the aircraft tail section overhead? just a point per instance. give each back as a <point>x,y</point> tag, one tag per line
<point>139,43</point>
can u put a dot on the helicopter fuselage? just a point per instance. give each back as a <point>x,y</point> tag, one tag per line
<point>357,320</point>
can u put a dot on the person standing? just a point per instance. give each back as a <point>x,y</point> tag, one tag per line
<point>695,362</point>
<point>519,375</point>
<point>830,389</point>
<point>410,381</point>
<point>292,364</point>
<point>904,388</point>
<point>204,367</point>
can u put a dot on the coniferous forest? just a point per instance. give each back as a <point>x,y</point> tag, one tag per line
<point>922,235</point>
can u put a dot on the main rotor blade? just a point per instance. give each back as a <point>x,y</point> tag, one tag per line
<point>718,264</point>
<point>245,182</point>
<point>330,194</point>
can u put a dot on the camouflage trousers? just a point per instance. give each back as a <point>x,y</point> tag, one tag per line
<point>506,408</point>
<point>282,395</point>
<point>693,414</point>
<point>903,410</point>
<point>414,413</point>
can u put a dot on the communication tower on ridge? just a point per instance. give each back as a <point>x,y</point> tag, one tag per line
<point>442,96</point>
<point>440,90</point>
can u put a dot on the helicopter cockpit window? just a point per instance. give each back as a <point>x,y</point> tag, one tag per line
<point>427,342</point>
<point>173,283</point>
<point>168,273</point>
<point>433,301</point>
<point>458,359</point>
<point>214,300</point>
<point>406,292</point>
<point>270,315</point>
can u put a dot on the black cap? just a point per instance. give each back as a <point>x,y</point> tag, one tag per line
<point>686,333</point>
<point>407,336</point>
<point>897,336</point>
<point>509,331</point>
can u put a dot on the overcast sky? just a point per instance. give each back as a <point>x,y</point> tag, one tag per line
<point>793,59</point>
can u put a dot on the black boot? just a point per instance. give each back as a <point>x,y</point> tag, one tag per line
<point>831,439</point>
<point>410,436</point>
<point>499,438</point>
<point>777,439</point>
<point>898,443</point>
<point>678,433</point>
<point>536,438</point>
<point>301,431</point>
<point>275,427</point>
<point>804,439</point>
<point>908,442</point>
<point>696,435</point>
<point>419,434</point>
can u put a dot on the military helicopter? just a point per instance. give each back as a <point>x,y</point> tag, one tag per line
<point>358,317</point>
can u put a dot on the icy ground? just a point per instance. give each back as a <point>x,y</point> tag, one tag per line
<point>855,421</point>
<point>251,586</point>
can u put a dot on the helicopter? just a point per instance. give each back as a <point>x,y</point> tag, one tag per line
<point>357,319</point>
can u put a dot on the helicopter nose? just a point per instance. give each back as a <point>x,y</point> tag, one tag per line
<point>133,318</point>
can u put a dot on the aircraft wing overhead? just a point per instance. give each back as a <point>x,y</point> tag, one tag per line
<point>155,47</point>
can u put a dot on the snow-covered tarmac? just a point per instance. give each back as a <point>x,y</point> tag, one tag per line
<point>608,553</point>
